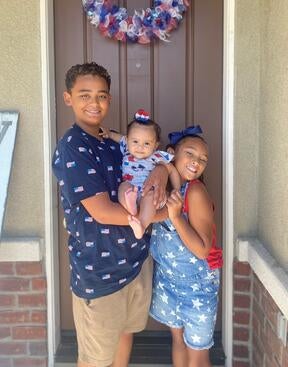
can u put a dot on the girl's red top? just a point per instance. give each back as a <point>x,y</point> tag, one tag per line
<point>215,257</point>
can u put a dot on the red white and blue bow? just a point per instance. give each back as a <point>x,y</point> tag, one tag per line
<point>142,116</point>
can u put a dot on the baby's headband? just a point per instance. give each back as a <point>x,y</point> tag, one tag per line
<point>142,116</point>
<point>178,135</point>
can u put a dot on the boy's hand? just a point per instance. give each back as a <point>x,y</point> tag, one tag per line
<point>174,205</point>
<point>157,181</point>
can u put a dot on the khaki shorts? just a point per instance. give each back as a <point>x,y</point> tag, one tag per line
<point>100,323</point>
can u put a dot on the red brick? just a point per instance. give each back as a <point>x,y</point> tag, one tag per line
<point>240,334</point>
<point>272,344</point>
<point>257,358</point>
<point>258,351</point>
<point>5,362</point>
<point>270,362</point>
<point>241,364</point>
<point>13,317</point>
<point>32,300</point>
<point>257,290</point>
<point>242,284</point>
<point>270,309</point>
<point>5,332</point>
<point>39,317</point>
<point>12,348</point>
<point>241,301</point>
<point>242,268</point>
<point>14,284</point>
<point>256,325</point>
<point>258,313</point>
<point>7,300</point>
<point>241,317</point>
<point>240,351</point>
<point>29,268</point>
<point>285,357</point>
<point>39,284</point>
<point>6,268</point>
<point>30,362</point>
<point>38,348</point>
<point>29,332</point>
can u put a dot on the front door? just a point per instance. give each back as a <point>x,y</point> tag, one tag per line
<point>179,82</point>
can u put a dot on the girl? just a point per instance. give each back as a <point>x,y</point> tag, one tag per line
<point>186,275</point>
<point>140,155</point>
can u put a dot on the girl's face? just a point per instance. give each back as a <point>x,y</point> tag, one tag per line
<point>141,141</point>
<point>191,158</point>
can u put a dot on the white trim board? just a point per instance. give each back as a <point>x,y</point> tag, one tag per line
<point>228,184</point>
<point>21,249</point>
<point>50,187</point>
<point>269,272</point>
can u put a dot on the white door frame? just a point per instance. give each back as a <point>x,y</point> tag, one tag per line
<point>51,204</point>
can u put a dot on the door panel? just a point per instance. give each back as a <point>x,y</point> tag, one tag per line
<point>179,82</point>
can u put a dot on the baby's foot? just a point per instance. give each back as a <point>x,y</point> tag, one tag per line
<point>137,227</point>
<point>130,200</point>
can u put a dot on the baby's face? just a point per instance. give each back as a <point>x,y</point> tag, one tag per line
<point>141,141</point>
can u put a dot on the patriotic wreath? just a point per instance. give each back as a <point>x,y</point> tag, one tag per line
<point>144,26</point>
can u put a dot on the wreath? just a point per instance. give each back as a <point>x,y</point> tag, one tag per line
<point>144,26</point>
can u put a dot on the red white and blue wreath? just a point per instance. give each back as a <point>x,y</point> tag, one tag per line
<point>144,26</point>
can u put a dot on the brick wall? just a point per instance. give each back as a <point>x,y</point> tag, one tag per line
<point>23,330</point>
<point>242,281</point>
<point>255,341</point>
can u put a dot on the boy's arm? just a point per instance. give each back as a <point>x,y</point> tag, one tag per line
<point>106,133</point>
<point>105,211</point>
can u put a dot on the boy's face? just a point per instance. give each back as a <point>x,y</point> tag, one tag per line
<point>141,141</point>
<point>90,101</point>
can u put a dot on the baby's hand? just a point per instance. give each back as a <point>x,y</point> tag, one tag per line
<point>174,205</point>
<point>104,132</point>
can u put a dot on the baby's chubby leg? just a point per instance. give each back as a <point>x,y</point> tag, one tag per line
<point>146,214</point>
<point>127,196</point>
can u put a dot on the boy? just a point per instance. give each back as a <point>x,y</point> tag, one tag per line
<point>111,289</point>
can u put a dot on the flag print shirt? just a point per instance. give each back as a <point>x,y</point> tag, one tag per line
<point>103,258</point>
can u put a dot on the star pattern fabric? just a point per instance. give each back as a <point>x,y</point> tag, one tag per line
<point>185,289</point>
<point>103,258</point>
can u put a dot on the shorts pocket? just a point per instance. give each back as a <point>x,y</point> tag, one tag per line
<point>210,285</point>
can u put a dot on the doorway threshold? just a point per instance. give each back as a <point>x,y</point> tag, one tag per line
<point>149,348</point>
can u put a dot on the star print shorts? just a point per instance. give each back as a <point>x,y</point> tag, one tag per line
<point>191,305</point>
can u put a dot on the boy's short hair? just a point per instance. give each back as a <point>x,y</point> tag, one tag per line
<point>88,68</point>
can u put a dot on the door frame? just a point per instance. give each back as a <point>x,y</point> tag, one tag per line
<point>50,188</point>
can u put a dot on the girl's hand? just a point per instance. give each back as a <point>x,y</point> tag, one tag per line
<point>174,205</point>
<point>104,132</point>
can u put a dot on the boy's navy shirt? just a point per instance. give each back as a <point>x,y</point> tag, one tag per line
<point>103,258</point>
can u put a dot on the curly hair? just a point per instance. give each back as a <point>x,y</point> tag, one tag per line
<point>91,68</point>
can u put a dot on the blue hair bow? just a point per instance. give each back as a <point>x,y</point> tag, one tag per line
<point>190,130</point>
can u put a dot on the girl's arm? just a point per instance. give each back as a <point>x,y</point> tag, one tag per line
<point>196,233</point>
